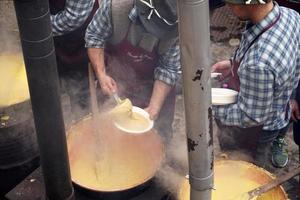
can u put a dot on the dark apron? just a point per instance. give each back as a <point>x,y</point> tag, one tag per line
<point>232,137</point>
<point>133,69</point>
<point>296,130</point>
<point>296,125</point>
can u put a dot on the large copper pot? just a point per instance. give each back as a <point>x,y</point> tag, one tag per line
<point>13,80</point>
<point>111,161</point>
<point>18,145</point>
<point>234,178</point>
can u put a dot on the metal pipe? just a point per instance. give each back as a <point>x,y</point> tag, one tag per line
<point>39,56</point>
<point>195,62</point>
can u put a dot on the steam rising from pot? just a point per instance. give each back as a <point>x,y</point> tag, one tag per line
<point>9,32</point>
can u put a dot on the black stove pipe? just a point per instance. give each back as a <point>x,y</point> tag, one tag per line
<point>39,55</point>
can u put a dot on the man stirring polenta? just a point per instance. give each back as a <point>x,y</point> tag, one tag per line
<point>140,39</point>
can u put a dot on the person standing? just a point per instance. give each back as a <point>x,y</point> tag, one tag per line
<point>133,47</point>
<point>69,20</point>
<point>265,69</point>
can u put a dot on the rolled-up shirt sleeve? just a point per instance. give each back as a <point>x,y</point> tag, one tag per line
<point>100,28</point>
<point>168,68</point>
<point>73,16</point>
<point>254,100</point>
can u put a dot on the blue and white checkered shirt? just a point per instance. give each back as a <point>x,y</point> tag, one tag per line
<point>74,15</point>
<point>268,73</point>
<point>100,30</point>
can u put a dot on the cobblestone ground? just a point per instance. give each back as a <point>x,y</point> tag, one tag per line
<point>225,29</point>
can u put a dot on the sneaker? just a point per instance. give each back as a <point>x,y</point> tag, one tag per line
<point>280,155</point>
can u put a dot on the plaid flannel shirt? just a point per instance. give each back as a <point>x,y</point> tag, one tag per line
<point>100,30</point>
<point>268,73</point>
<point>74,15</point>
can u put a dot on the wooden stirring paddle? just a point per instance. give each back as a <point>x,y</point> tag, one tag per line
<point>95,118</point>
<point>255,193</point>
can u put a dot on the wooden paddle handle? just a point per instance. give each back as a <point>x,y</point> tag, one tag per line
<point>274,183</point>
<point>92,87</point>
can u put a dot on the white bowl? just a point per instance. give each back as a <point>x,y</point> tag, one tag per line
<point>143,113</point>
<point>223,96</point>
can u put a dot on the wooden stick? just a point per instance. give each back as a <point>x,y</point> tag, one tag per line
<point>253,194</point>
<point>274,183</point>
<point>92,87</point>
<point>95,118</point>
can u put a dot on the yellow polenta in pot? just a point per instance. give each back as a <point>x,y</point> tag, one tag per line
<point>107,160</point>
<point>13,79</point>
<point>234,178</point>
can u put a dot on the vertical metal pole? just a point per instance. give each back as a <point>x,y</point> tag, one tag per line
<point>195,61</point>
<point>39,55</point>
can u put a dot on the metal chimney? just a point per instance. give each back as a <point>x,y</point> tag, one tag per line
<point>39,55</point>
<point>195,61</point>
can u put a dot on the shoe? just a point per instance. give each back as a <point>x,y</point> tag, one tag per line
<point>280,155</point>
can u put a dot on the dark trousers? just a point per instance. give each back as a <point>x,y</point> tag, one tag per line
<point>253,140</point>
<point>296,132</point>
<point>263,149</point>
<point>296,125</point>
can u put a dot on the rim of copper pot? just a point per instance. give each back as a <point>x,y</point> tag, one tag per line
<point>115,195</point>
<point>147,181</point>
<point>245,163</point>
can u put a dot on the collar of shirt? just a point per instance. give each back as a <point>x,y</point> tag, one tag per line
<point>255,29</point>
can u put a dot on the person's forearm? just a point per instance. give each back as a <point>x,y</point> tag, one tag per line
<point>107,83</point>
<point>96,56</point>
<point>159,94</point>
